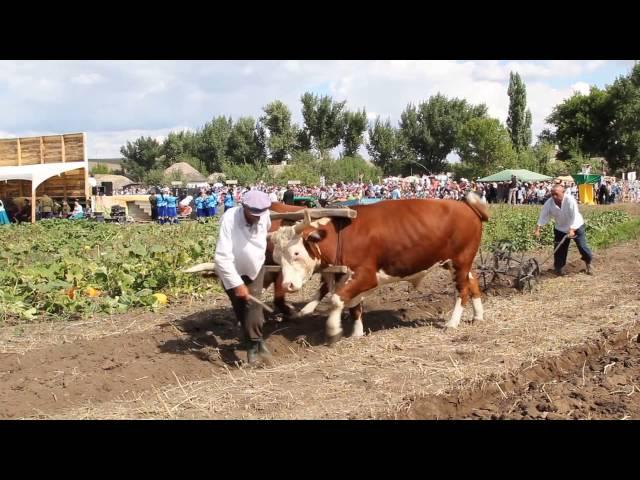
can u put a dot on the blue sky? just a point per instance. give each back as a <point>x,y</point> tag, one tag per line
<point>116,101</point>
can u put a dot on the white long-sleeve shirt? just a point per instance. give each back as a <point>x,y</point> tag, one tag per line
<point>241,248</point>
<point>566,216</point>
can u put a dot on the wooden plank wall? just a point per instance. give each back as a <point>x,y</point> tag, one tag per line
<point>49,149</point>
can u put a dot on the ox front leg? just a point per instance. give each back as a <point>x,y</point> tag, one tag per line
<point>310,307</point>
<point>350,294</point>
<point>462,295</point>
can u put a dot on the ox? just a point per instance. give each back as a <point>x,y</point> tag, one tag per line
<point>387,242</point>
<point>279,292</point>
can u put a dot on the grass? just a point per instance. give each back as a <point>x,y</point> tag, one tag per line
<point>615,234</point>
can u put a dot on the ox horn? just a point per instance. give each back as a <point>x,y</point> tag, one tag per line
<point>299,227</point>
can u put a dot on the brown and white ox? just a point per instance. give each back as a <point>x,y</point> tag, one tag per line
<point>279,292</point>
<point>389,241</point>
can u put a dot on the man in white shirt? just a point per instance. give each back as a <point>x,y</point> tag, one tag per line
<point>239,262</point>
<point>564,210</point>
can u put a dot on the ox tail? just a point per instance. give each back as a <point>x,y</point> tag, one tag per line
<point>201,267</point>
<point>473,200</point>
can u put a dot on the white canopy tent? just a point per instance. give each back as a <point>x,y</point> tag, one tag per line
<point>37,174</point>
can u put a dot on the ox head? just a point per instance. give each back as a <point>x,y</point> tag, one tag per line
<point>291,247</point>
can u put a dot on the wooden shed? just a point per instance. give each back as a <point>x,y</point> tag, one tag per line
<point>55,165</point>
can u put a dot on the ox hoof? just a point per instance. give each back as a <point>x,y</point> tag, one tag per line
<point>478,319</point>
<point>306,311</point>
<point>358,331</point>
<point>450,326</point>
<point>333,339</point>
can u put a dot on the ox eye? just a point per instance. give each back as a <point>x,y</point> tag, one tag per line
<point>297,253</point>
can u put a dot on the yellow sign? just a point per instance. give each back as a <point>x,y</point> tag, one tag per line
<point>586,194</point>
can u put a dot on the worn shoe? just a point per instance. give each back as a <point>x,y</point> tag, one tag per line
<point>258,351</point>
<point>559,272</point>
<point>589,270</point>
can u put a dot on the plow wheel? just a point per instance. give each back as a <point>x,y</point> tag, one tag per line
<point>528,275</point>
<point>486,269</point>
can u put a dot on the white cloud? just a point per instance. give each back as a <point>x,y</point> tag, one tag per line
<point>87,79</point>
<point>581,87</point>
<point>121,100</point>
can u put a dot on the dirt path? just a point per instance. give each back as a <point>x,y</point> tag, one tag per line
<point>181,363</point>
<point>600,380</point>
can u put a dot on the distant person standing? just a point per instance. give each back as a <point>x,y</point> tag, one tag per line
<point>288,196</point>
<point>46,206</point>
<point>201,206</point>
<point>172,207</point>
<point>229,202</point>
<point>152,202</point>
<point>210,204</point>
<point>161,203</point>
<point>513,189</point>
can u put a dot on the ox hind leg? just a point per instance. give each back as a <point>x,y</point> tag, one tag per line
<point>356,315</point>
<point>461,276</point>
<point>478,309</point>
<point>349,294</point>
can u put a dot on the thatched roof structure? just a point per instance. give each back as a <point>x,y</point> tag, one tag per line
<point>187,171</point>
<point>119,181</point>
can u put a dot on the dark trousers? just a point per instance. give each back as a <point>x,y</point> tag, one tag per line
<point>249,314</point>
<point>560,257</point>
<point>154,213</point>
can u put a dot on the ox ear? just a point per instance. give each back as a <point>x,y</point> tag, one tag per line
<point>316,235</point>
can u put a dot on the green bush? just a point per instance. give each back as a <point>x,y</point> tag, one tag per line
<point>48,267</point>
<point>516,225</point>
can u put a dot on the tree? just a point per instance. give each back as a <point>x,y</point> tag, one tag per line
<point>519,118</point>
<point>213,141</point>
<point>155,177</point>
<point>140,156</point>
<point>355,124</point>
<point>547,136</point>
<point>244,145</point>
<point>622,109</point>
<point>545,153</point>
<point>582,123</point>
<point>430,131</point>
<point>485,144</point>
<point>281,138</point>
<point>245,173</point>
<point>323,122</point>
<point>383,145</point>
<point>99,169</point>
<point>349,169</point>
<point>173,147</point>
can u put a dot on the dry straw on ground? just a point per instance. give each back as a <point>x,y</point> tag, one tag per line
<point>381,374</point>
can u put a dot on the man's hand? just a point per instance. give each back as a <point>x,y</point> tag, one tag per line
<point>242,292</point>
<point>572,233</point>
<point>536,232</point>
